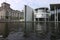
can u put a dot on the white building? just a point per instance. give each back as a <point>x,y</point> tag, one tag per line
<point>41,14</point>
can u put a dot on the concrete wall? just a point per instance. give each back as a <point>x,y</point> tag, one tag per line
<point>2,28</point>
<point>28,12</point>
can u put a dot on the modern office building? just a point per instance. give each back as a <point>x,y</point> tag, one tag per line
<point>55,11</point>
<point>41,15</point>
<point>55,17</point>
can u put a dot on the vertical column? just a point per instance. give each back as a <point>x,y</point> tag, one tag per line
<point>45,20</point>
<point>32,21</point>
<point>55,18</point>
<point>25,22</point>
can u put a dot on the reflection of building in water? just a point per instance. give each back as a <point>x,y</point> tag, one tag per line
<point>41,14</point>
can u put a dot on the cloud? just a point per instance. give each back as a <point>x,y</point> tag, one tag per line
<point>1,1</point>
<point>19,4</point>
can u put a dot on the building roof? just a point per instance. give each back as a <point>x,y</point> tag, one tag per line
<point>54,5</point>
<point>6,3</point>
<point>42,8</point>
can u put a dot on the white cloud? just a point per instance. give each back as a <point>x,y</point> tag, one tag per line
<point>1,1</point>
<point>18,4</point>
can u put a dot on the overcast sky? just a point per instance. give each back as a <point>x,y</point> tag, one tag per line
<point>19,4</point>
